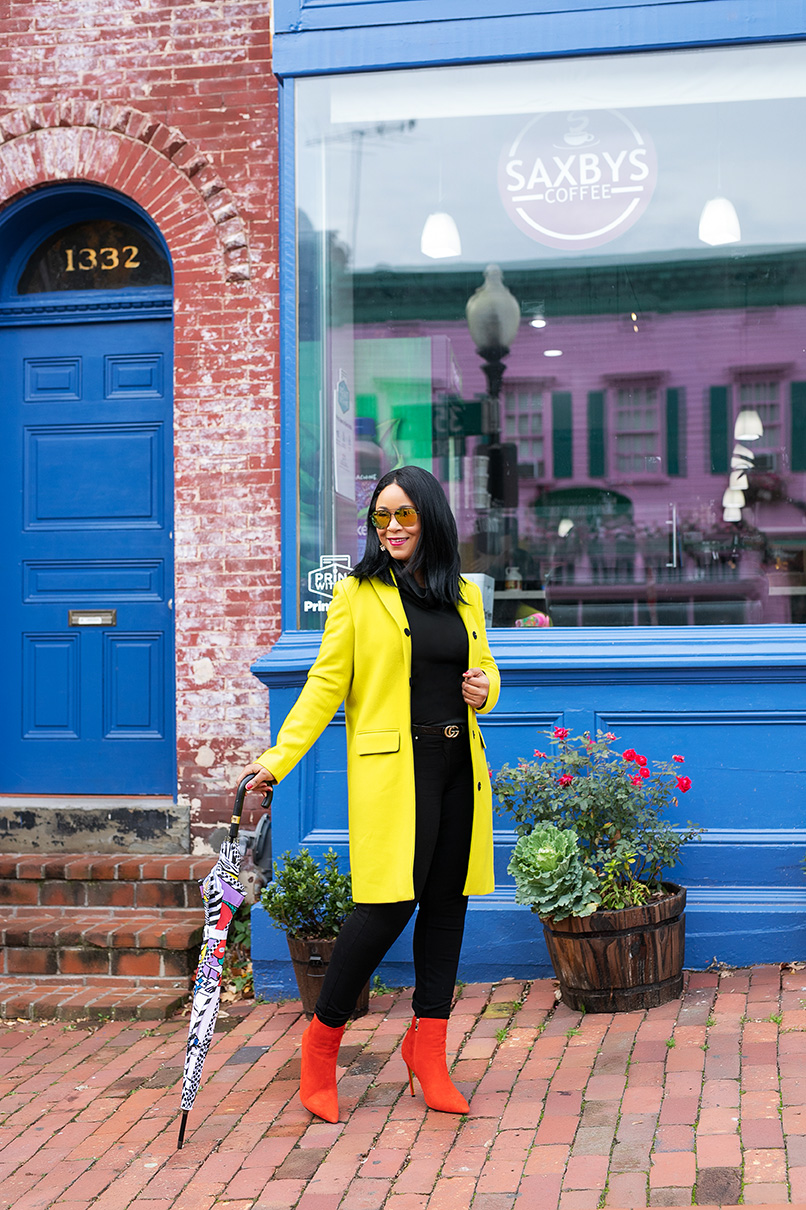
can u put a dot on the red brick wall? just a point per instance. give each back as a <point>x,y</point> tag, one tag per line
<point>174,105</point>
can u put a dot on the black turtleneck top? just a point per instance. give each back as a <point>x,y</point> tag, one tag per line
<point>439,656</point>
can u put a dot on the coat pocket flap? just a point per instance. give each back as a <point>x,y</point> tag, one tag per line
<point>369,742</point>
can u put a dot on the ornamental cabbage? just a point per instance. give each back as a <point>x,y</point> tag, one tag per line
<point>550,876</point>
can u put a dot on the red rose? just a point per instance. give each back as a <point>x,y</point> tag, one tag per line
<point>609,736</point>
<point>683,784</point>
<point>629,754</point>
<point>636,779</point>
<point>640,760</point>
<point>679,759</point>
<point>644,773</point>
<point>561,732</point>
<point>539,753</point>
<point>565,780</point>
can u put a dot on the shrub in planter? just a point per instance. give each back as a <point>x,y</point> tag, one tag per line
<point>310,902</point>
<point>593,850</point>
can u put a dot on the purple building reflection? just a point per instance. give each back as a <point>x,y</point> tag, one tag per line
<point>622,431</point>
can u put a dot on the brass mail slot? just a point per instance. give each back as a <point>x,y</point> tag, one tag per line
<point>93,617</point>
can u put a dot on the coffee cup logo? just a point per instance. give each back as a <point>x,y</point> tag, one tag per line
<point>577,180</point>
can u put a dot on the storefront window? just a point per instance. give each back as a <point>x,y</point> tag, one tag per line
<point>576,292</point>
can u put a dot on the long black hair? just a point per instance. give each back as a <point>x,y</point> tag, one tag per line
<point>437,552</point>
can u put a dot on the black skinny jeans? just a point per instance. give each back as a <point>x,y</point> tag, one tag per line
<point>443,780</point>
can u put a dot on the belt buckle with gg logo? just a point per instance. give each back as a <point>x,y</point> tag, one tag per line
<point>451,732</point>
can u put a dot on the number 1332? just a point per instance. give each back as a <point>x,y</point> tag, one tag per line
<point>105,258</point>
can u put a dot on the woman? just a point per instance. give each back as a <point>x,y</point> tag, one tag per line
<point>405,649</point>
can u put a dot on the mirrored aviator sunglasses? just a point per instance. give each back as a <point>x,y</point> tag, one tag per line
<point>407,515</point>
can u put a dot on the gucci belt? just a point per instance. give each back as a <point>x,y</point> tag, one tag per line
<point>445,730</point>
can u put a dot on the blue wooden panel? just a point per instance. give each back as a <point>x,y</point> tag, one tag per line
<point>748,767</point>
<point>119,479</point>
<point>745,858</point>
<point>50,700</point>
<point>133,686</point>
<point>127,377</point>
<point>356,37</point>
<point>325,789</point>
<point>49,378</point>
<point>94,580</point>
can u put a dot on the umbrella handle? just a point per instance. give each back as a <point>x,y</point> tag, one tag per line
<point>235,821</point>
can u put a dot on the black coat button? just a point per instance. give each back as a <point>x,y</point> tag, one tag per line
<point>479,786</point>
<point>475,636</point>
<point>406,630</point>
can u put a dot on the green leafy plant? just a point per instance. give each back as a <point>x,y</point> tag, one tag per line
<point>307,899</point>
<point>613,804</point>
<point>550,875</point>
<point>380,987</point>
<point>618,887</point>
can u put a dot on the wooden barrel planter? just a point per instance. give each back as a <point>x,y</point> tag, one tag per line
<point>618,961</point>
<point>310,960</point>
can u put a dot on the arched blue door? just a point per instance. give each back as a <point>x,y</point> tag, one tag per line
<point>86,492</point>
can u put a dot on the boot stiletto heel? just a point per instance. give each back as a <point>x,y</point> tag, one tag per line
<point>423,1053</point>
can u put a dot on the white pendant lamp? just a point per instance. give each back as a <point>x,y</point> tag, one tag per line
<point>719,223</point>
<point>748,426</point>
<point>731,514</point>
<point>742,458</point>
<point>732,498</point>
<point>440,237</point>
<point>738,481</point>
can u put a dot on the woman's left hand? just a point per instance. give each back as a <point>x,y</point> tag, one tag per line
<point>475,687</point>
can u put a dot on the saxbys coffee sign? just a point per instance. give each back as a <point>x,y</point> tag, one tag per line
<point>577,180</point>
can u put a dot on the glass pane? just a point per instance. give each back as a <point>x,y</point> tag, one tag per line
<point>97,255</point>
<point>557,286</point>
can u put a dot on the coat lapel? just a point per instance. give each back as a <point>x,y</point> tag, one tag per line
<point>390,597</point>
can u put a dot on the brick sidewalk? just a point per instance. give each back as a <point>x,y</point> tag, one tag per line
<point>703,1098</point>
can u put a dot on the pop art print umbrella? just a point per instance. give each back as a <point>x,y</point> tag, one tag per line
<point>222,895</point>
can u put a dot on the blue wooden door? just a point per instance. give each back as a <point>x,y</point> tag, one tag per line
<point>86,490</point>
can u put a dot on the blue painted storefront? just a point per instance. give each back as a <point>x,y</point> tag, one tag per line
<point>730,699</point>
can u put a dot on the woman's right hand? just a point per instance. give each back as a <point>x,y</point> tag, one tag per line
<point>261,776</point>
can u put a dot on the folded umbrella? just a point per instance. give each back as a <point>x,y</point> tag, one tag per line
<point>222,895</point>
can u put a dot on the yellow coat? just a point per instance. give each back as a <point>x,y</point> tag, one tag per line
<point>365,662</point>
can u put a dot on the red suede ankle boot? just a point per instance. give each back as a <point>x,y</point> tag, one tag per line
<point>317,1082</point>
<point>423,1053</point>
